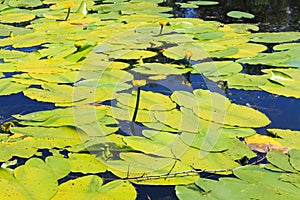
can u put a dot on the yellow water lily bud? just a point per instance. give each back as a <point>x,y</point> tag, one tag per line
<point>78,44</point>
<point>188,54</point>
<point>163,22</point>
<point>138,83</point>
<point>69,4</point>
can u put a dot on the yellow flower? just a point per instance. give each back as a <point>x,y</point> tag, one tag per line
<point>139,83</point>
<point>68,4</point>
<point>188,54</point>
<point>163,22</point>
<point>78,44</point>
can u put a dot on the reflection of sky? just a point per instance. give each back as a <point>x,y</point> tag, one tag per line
<point>283,112</point>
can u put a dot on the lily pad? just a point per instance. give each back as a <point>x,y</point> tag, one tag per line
<point>91,187</point>
<point>240,14</point>
<point>274,37</point>
<point>23,183</point>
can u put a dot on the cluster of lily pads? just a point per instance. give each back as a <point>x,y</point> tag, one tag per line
<point>88,53</point>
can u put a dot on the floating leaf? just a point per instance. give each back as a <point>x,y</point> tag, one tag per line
<point>50,137</point>
<point>239,14</point>
<point>204,3</point>
<point>217,68</point>
<point>283,82</point>
<point>85,163</point>
<point>161,69</point>
<point>58,166</point>
<point>7,87</point>
<point>177,52</point>
<point>26,4</point>
<point>32,180</point>
<point>139,167</point>
<point>287,138</point>
<point>17,145</point>
<point>91,187</point>
<point>294,158</point>
<point>274,37</point>
<point>156,143</point>
<point>186,5</point>
<point>217,108</point>
<point>16,15</point>
<point>148,101</point>
<point>280,160</point>
<point>253,183</point>
<point>132,54</point>
<point>63,117</point>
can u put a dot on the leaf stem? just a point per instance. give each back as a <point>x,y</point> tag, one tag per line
<point>136,104</point>
<point>68,14</point>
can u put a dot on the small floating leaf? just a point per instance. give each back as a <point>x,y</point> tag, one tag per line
<point>239,14</point>
<point>204,3</point>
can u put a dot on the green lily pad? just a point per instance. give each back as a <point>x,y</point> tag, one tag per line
<point>62,117</point>
<point>139,166</point>
<point>204,3</point>
<point>6,29</point>
<point>91,187</point>
<point>23,183</point>
<point>85,163</point>
<point>26,4</point>
<point>288,138</point>
<point>161,69</point>
<point>16,16</point>
<point>240,14</point>
<point>217,68</point>
<point>294,158</point>
<point>262,185</point>
<point>280,160</point>
<point>156,143</point>
<point>178,52</point>
<point>51,137</point>
<point>283,82</point>
<point>148,101</point>
<point>274,37</point>
<point>132,54</point>
<point>7,87</point>
<point>186,5</point>
<point>18,145</point>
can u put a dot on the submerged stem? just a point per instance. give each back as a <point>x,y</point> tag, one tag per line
<point>161,29</point>
<point>136,104</point>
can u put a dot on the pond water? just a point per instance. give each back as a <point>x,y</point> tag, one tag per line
<point>270,15</point>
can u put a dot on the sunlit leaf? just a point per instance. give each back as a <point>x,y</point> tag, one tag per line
<point>85,163</point>
<point>275,37</point>
<point>91,187</point>
<point>32,180</point>
<point>7,87</point>
<point>280,160</point>
<point>17,145</point>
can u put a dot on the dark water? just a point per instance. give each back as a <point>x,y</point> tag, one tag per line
<point>270,15</point>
